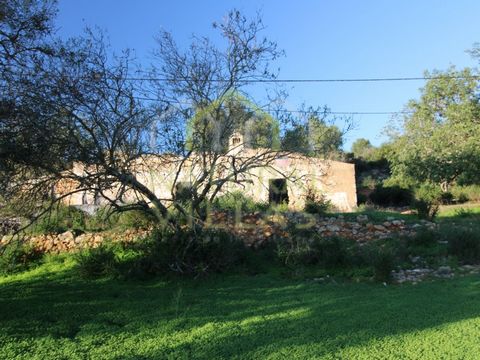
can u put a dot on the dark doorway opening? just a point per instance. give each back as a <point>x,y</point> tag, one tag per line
<point>277,191</point>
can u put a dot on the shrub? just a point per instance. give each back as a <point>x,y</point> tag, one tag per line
<point>463,243</point>
<point>423,238</point>
<point>295,251</point>
<point>333,252</point>
<point>368,182</point>
<point>235,201</point>
<point>97,262</point>
<point>60,219</point>
<point>383,264</point>
<point>465,213</point>
<point>188,252</point>
<point>446,198</point>
<point>17,256</point>
<point>381,257</point>
<point>391,196</point>
<point>278,208</point>
<point>103,219</point>
<point>307,247</point>
<point>135,219</point>
<point>427,201</point>
<point>466,193</point>
<point>462,198</point>
<point>316,203</point>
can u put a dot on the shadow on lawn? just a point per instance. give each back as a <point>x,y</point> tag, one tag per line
<point>227,316</point>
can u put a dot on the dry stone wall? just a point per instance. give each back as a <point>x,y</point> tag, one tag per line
<point>256,230</point>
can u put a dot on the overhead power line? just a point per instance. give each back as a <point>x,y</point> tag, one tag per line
<point>306,111</point>
<point>251,81</point>
<point>349,112</point>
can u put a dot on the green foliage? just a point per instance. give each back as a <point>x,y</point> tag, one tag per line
<point>368,182</point>
<point>190,252</point>
<point>363,149</point>
<point>135,219</point>
<point>465,213</point>
<point>325,139</point>
<point>103,219</point>
<point>313,138</point>
<point>462,198</point>
<point>316,203</point>
<point>235,201</point>
<point>97,262</point>
<point>278,208</point>
<point>439,142</point>
<point>466,193</point>
<point>305,247</point>
<point>211,126</point>
<point>383,264</point>
<point>60,219</point>
<point>427,201</point>
<point>296,140</point>
<point>63,218</point>
<point>446,198</point>
<point>18,256</point>
<point>464,243</point>
<point>423,238</point>
<point>391,196</point>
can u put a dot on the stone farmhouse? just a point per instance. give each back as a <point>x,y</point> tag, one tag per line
<point>286,180</point>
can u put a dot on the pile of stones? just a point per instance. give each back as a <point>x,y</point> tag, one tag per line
<point>9,225</point>
<point>256,230</point>
<point>417,275</point>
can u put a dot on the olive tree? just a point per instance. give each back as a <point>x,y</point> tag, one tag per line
<point>82,122</point>
<point>439,141</point>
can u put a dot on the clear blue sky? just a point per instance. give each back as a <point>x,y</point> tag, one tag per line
<point>322,39</point>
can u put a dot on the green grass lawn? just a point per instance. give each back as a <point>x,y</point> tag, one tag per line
<point>49,313</point>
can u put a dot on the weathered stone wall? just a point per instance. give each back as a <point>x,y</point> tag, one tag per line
<point>256,230</point>
<point>70,242</point>
<point>334,179</point>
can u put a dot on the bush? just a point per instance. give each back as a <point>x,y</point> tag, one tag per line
<point>97,262</point>
<point>391,196</point>
<point>463,243</point>
<point>368,182</point>
<point>446,198</point>
<point>295,249</point>
<point>103,219</point>
<point>17,256</point>
<point>333,252</point>
<point>135,219</point>
<point>189,252</point>
<point>383,264</point>
<point>427,201</point>
<point>307,247</point>
<point>60,219</point>
<point>316,203</point>
<point>423,238</point>
<point>465,213</point>
<point>462,198</point>
<point>235,201</point>
<point>466,193</point>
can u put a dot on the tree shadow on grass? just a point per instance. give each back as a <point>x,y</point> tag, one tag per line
<point>222,316</point>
